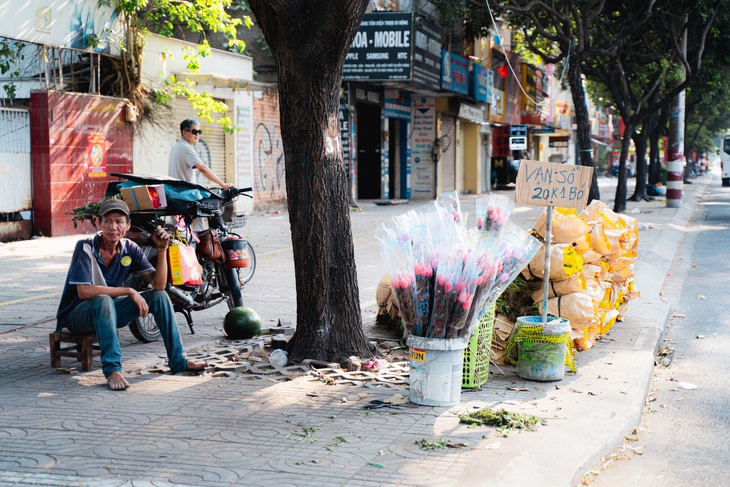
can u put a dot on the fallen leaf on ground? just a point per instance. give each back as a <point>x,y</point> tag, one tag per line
<point>456,444</point>
<point>398,399</point>
<point>678,315</point>
<point>46,394</point>
<point>68,371</point>
<point>631,438</point>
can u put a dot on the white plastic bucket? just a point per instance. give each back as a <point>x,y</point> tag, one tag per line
<point>436,368</point>
<point>538,360</point>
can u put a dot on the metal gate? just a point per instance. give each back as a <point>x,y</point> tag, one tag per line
<point>15,175</point>
<point>447,163</point>
<point>212,144</point>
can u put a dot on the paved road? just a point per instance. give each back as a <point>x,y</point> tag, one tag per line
<point>683,435</point>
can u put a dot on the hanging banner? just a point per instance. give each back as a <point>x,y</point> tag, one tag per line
<point>96,154</point>
<point>550,184</point>
<point>423,168</point>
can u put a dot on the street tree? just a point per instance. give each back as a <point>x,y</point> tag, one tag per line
<point>708,94</point>
<point>649,68</point>
<point>558,31</point>
<point>169,18</point>
<point>309,40</point>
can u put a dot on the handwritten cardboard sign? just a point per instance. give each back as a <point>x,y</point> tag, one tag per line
<point>551,184</point>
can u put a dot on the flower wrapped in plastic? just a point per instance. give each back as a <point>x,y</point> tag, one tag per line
<point>450,201</point>
<point>516,248</point>
<point>492,213</point>
<point>396,248</point>
<point>445,292</point>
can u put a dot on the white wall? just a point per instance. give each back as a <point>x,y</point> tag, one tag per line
<point>224,76</point>
<point>158,65</point>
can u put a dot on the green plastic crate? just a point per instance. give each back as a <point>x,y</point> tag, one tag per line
<point>476,355</point>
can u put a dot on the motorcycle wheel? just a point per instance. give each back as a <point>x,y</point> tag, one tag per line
<point>145,329</point>
<point>229,285</point>
<point>245,274</point>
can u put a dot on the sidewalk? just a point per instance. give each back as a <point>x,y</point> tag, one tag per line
<point>275,426</point>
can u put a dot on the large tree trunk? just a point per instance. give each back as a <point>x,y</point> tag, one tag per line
<point>309,40</point>
<point>640,142</point>
<point>583,122</point>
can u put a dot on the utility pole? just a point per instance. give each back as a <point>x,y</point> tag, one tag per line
<point>675,164</point>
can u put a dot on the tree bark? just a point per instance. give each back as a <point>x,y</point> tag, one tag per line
<point>619,204</point>
<point>655,164</point>
<point>583,122</point>
<point>309,40</point>
<point>640,143</point>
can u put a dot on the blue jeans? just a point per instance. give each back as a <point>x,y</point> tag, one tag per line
<point>103,315</point>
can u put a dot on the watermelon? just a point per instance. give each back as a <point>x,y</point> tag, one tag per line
<point>241,323</point>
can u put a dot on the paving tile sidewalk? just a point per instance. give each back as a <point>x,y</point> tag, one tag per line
<point>276,429</point>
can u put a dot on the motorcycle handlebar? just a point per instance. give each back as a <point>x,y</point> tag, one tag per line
<point>233,192</point>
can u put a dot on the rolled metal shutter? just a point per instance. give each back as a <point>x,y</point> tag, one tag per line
<point>448,155</point>
<point>212,144</point>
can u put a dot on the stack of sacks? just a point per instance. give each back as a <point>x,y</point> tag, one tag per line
<point>591,269</point>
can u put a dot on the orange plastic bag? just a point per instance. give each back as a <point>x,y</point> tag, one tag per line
<point>185,270</point>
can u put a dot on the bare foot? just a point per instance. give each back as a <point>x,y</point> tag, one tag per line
<point>117,382</point>
<point>196,365</point>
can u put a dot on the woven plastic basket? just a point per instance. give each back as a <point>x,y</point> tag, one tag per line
<point>236,253</point>
<point>476,355</point>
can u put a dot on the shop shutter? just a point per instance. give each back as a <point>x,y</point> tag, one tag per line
<point>211,147</point>
<point>448,156</point>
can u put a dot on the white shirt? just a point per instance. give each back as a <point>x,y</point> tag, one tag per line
<point>183,158</point>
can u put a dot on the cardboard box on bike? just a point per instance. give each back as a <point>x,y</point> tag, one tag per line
<point>150,197</point>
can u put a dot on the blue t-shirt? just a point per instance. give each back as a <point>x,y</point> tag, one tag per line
<point>88,267</point>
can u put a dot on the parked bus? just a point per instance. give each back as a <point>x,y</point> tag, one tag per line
<point>725,159</point>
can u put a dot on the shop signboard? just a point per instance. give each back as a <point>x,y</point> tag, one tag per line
<point>471,113</point>
<point>519,130</point>
<point>454,73</point>
<point>480,85</point>
<point>427,54</point>
<point>399,107</point>
<point>68,24</point>
<point>381,49</point>
<point>551,184</point>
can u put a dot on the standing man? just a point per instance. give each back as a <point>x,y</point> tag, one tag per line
<point>94,299</point>
<point>184,159</point>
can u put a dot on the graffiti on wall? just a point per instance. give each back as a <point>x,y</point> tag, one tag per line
<point>269,162</point>
<point>268,150</point>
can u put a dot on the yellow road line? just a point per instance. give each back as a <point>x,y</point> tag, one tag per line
<point>290,248</point>
<point>29,298</point>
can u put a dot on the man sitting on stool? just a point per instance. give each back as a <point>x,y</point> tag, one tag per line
<point>94,300</point>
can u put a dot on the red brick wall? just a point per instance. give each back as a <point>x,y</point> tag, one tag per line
<point>268,152</point>
<point>63,130</point>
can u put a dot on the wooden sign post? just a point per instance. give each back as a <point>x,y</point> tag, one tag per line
<point>550,184</point>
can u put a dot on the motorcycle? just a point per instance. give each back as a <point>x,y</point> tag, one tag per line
<point>223,276</point>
